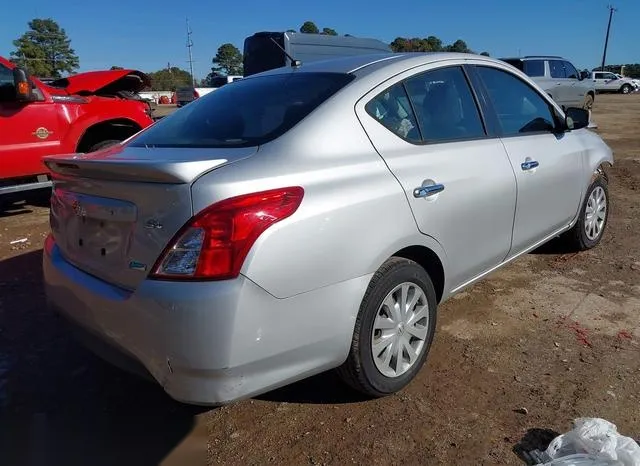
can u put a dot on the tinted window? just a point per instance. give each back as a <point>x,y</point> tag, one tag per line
<point>444,105</point>
<point>515,62</point>
<point>557,69</point>
<point>218,81</point>
<point>392,109</point>
<point>571,71</point>
<point>519,108</point>
<point>534,68</point>
<point>261,54</point>
<point>249,113</point>
<point>7,88</point>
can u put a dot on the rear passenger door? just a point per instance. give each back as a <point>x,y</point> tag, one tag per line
<point>458,181</point>
<point>546,160</point>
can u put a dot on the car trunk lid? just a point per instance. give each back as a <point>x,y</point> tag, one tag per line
<point>114,211</point>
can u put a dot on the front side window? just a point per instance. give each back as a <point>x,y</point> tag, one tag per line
<point>534,68</point>
<point>571,71</point>
<point>520,109</point>
<point>444,105</point>
<point>249,113</point>
<point>557,69</point>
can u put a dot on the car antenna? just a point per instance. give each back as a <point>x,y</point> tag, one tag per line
<point>294,63</point>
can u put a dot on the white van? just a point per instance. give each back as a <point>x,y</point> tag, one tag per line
<point>262,54</point>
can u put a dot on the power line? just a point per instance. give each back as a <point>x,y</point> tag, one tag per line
<point>606,40</point>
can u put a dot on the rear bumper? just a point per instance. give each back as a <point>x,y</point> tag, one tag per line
<point>207,343</point>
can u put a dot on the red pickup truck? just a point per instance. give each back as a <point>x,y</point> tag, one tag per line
<point>81,113</point>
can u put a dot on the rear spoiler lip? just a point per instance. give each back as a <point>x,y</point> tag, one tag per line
<point>151,171</point>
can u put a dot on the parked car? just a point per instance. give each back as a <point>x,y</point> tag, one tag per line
<point>80,113</point>
<point>308,219</point>
<point>265,51</point>
<point>559,78</point>
<point>610,82</point>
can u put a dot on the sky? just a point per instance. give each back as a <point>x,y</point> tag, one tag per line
<point>148,35</point>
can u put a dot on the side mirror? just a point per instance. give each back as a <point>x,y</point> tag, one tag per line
<point>576,118</point>
<point>584,75</point>
<point>24,90</point>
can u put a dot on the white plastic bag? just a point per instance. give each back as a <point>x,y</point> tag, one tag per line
<point>593,441</point>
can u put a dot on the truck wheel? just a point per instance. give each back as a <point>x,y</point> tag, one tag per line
<point>588,102</point>
<point>393,331</point>
<point>625,89</point>
<point>103,144</point>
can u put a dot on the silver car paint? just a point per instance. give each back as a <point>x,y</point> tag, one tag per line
<point>292,311</point>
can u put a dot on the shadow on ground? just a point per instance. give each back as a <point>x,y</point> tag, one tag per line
<point>325,388</point>
<point>21,203</point>
<point>556,246</point>
<point>534,439</point>
<point>59,404</point>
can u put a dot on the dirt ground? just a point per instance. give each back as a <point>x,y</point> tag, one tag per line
<point>557,334</point>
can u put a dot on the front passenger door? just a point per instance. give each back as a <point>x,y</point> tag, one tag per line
<point>29,130</point>
<point>547,161</point>
<point>575,88</point>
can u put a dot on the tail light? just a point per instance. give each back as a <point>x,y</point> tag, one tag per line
<point>195,94</point>
<point>214,244</point>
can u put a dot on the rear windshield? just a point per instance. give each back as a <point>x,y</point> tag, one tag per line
<point>245,113</point>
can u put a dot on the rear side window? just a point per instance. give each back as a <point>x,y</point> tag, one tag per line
<point>246,113</point>
<point>520,109</point>
<point>557,69</point>
<point>444,105</point>
<point>431,107</point>
<point>534,68</point>
<point>392,109</point>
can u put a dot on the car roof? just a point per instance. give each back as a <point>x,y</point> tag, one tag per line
<point>535,57</point>
<point>364,64</point>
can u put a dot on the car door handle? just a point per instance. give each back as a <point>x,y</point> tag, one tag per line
<point>529,164</point>
<point>426,191</point>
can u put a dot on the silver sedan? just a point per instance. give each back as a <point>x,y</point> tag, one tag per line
<point>312,218</point>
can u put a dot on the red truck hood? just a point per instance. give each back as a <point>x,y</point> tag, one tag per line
<point>103,82</point>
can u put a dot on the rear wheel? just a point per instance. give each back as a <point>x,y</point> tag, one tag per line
<point>625,89</point>
<point>588,230</point>
<point>394,329</point>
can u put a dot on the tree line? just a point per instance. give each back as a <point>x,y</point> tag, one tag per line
<point>45,51</point>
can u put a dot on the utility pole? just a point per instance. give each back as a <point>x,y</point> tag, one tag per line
<point>606,41</point>
<point>189,45</point>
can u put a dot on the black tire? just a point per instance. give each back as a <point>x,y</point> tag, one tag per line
<point>103,144</point>
<point>359,370</point>
<point>626,89</point>
<point>577,238</point>
<point>588,102</point>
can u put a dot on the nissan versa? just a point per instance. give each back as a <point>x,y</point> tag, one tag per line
<point>314,217</point>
